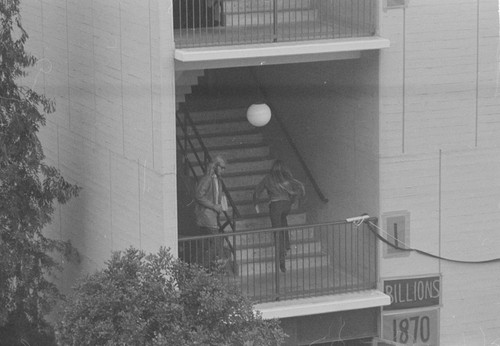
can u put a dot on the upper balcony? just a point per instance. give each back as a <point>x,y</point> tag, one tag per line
<point>224,29</point>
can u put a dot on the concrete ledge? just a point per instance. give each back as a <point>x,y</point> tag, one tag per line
<point>323,304</point>
<point>279,49</point>
<point>275,53</point>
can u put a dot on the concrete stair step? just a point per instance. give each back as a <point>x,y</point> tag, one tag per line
<point>218,115</point>
<point>262,221</point>
<point>267,17</point>
<point>247,207</point>
<point>242,138</point>
<point>182,90</point>
<point>179,99</point>
<point>242,193</point>
<point>239,166</point>
<point>239,152</point>
<point>266,253</point>
<point>299,263</point>
<point>188,77</point>
<point>199,101</point>
<point>184,80</point>
<point>223,128</point>
<point>263,5</point>
<point>243,179</point>
<point>258,240</point>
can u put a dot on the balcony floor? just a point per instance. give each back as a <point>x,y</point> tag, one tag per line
<point>300,283</point>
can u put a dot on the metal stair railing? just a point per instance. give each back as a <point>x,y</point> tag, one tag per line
<point>326,258</point>
<point>188,144</point>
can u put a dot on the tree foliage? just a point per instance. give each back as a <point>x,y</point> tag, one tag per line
<point>156,300</point>
<point>29,188</point>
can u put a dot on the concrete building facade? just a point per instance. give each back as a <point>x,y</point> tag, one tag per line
<point>408,133</point>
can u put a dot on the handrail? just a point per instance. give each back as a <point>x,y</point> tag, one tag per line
<point>206,155</point>
<point>325,258</point>
<point>270,21</point>
<point>290,141</point>
<point>372,219</point>
<point>203,164</point>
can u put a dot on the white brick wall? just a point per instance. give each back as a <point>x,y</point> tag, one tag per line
<point>440,153</point>
<point>109,66</point>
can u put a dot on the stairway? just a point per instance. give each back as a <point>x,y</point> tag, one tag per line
<point>221,122</point>
<point>225,131</point>
<point>184,80</point>
<point>260,12</point>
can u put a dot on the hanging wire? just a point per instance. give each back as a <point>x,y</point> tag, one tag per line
<point>375,230</point>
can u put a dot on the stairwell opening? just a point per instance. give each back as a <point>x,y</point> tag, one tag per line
<point>330,110</point>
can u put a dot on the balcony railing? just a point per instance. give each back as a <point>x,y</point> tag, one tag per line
<point>202,23</point>
<point>324,259</point>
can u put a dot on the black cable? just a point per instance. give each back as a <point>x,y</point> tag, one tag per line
<point>424,252</point>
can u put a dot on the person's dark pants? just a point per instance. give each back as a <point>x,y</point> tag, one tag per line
<point>211,249</point>
<point>279,211</point>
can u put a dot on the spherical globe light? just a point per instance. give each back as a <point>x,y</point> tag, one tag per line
<point>259,114</point>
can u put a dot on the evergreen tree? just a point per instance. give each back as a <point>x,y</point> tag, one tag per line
<point>29,188</point>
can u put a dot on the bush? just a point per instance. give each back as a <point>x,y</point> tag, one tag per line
<point>157,300</point>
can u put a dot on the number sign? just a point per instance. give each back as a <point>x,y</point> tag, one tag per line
<point>418,328</point>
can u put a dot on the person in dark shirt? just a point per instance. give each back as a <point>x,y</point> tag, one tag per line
<point>282,189</point>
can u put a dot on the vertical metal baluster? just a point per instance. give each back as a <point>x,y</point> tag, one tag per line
<point>370,236</point>
<point>334,252</point>
<point>179,18</point>
<point>276,264</point>
<point>314,266</point>
<point>246,265</point>
<point>353,249</point>
<point>204,35</point>
<point>186,21</point>
<point>346,248</point>
<point>265,31</point>
<point>307,24</point>
<point>326,6</point>
<point>263,268</point>
<point>363,260</point>
<point>250,13</point>
<point>275,20</point>
<point>322,22</point>
<point>336,13</point>
<point>222,22</point>
<point>323,247</point>
<point>352,17</point>
<point>358,21</point>
<point>308,260</point>
<point>374,256</point>
<point>190,22</point>
<point>341,32</point>
<point>202,27</point>
<point>332,18</point>
<point>362,19</point>
<point>294,26</point>
<point>357,257</point>
<point>330,257</point>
